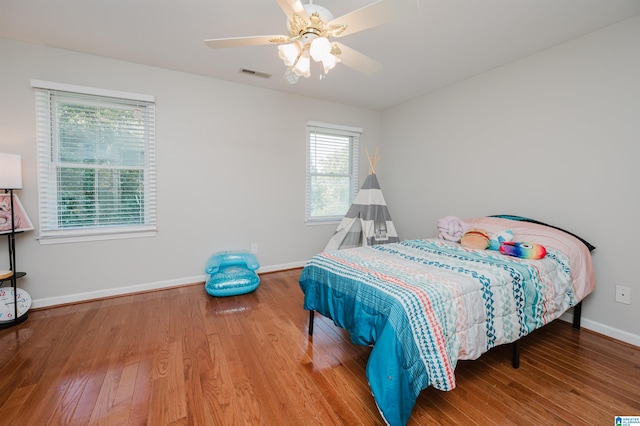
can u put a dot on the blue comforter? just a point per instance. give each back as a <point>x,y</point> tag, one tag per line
<point>424,304</point>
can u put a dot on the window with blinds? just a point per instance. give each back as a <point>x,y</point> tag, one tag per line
<point>332,171</point>
<point>96,163</point>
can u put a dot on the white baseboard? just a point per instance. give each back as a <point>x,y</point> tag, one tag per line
<point>282,267</point>
<point>606,330</point>
<point>111,292</point>
<point>158,285</point>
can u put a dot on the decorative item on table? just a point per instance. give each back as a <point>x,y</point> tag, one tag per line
<point>21,221</point>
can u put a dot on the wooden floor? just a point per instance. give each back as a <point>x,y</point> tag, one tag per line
<point>181,357</point>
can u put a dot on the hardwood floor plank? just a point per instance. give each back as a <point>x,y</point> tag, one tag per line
<point>289,358</point>
<point>72,366</point>
<point>181,357</point>
<point>123,399</point>
<point>196,358</point>
<point>227,392</point>
<point>14,402</point>
<point>118,373</point>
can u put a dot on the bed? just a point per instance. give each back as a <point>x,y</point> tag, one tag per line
<point>425,304</point>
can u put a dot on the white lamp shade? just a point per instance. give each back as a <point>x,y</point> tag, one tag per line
<point>329,62</point>
<point>289,53</point>
<point>320,49</point>
<point>303,67</point>
<point>10,171</point>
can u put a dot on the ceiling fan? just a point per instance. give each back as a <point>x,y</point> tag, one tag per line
<point>310,30</point>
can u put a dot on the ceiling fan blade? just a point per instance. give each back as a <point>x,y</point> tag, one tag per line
<point>373,15</point>
<point>287,8</point>
<point>293,7</point>
<point>221,43</point>
<point>357,61</point>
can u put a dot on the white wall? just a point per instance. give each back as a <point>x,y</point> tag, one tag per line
<point>554,136</point>
<point>231,172</point>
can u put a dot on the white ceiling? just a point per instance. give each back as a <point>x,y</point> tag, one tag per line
<point>444,41</point>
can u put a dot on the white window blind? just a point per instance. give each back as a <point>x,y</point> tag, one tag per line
<point>96,163</point>
<point>332,171</point>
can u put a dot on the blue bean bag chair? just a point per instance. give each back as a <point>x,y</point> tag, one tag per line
<point>232,273</point>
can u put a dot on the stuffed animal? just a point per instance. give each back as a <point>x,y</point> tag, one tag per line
<point>451,228</point>
<point>523,250</point>
<point>475,238</point>
<point>497,238</point>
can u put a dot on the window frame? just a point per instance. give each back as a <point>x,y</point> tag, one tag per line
<point>354,134</point>
<point>49,231</point>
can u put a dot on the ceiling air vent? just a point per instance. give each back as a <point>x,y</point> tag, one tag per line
<point>254,73</point>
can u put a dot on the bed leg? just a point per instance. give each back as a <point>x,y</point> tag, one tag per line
<point>311,314</point>
<point>515,359</point>
<point>577,313</point>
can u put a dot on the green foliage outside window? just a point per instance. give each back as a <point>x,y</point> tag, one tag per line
<point>331,175</point>
<point>99,161</point>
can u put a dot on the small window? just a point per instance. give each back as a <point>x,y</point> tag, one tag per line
<point>332,171</point>
<point>96,163</point>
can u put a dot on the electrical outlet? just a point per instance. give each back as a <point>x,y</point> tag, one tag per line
<point>254,248</point>
<point>623,294</point>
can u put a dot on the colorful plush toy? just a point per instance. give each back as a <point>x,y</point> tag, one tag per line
<point>475,238</point>
<point>497,238</point>
<point>523,250</point>
<point>451,228</point>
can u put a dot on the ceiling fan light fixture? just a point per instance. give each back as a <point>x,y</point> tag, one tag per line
<point>310,29</point>
<point>329,62</point>
<point>320,48</point>
<point>315,12</point>
<point>303,66</point>
<point>289,53</point>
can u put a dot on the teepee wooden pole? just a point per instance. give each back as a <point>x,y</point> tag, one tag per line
<point>373,161</point>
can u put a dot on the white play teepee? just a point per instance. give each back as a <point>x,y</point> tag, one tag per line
<point>368,221</point>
